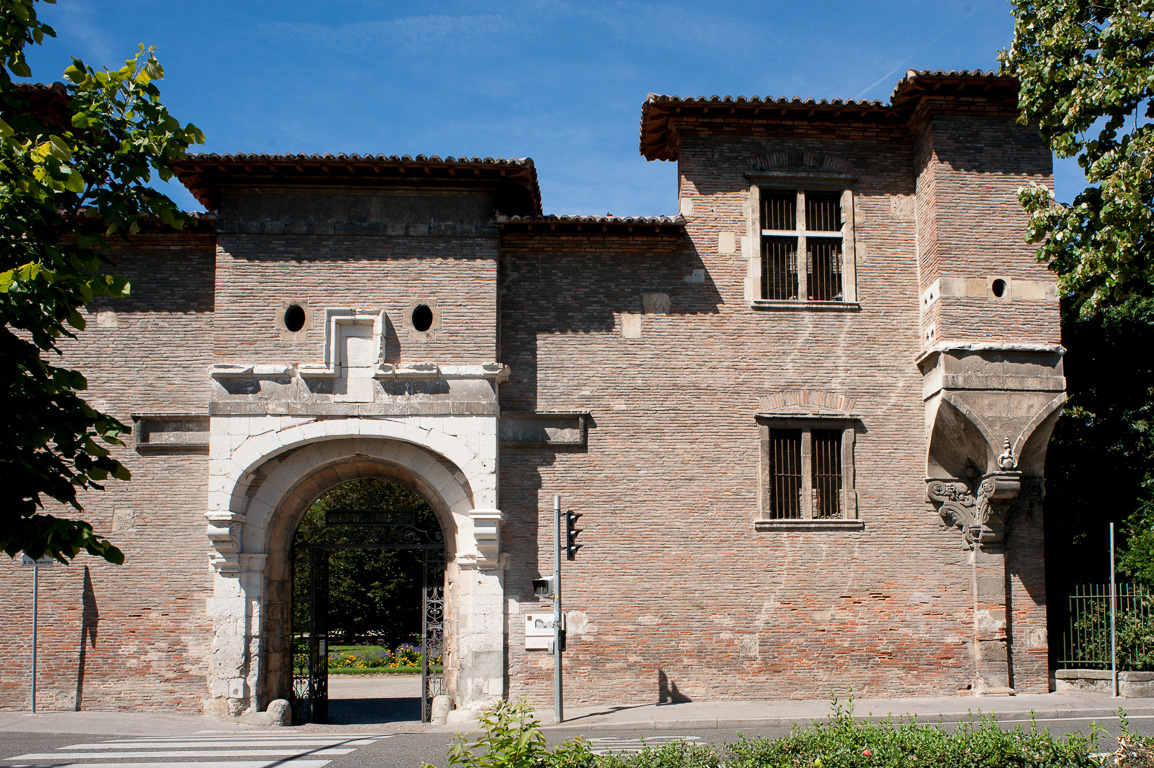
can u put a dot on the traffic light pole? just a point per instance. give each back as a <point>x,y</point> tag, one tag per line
<point>558,698</point>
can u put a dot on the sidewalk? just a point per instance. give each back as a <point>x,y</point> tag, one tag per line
<point>685,716</point>
<point>118,724</point>
<point>948,709</point>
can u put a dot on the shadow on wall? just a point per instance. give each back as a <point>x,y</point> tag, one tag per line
<point>582,289</point>
<point>667,692</point>
<point>89,623</point>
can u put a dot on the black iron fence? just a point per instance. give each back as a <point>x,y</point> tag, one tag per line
<point>1086,638</point>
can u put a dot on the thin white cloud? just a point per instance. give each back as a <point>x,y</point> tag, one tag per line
<point>79,21</point>
<point>414,32</point>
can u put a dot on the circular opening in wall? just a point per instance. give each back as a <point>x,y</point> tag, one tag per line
<point>998,287</point>
<point>294,318</point>
<point>422,317</point>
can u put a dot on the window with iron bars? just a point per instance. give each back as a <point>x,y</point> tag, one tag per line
<point>807,470</point>
<point>801,245</point>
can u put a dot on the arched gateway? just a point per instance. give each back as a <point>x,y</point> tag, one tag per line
<point>266,470</point>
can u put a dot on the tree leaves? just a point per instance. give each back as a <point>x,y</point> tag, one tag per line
<point>76,160</point>
<point>1086,70</point>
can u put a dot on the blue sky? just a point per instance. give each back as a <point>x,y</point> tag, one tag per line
<point>557,80</point>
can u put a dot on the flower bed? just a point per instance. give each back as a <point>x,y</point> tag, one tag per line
<point>367,658</point>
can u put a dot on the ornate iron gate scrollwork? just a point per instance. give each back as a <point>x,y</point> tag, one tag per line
<point>432,632</point>
<point>389,531</point>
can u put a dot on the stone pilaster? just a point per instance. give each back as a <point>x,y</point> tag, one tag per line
<point>989,413</point>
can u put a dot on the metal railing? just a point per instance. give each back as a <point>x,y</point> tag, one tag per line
<point>1086,638</point>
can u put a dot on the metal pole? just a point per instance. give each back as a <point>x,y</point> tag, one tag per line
<point>558,702</point>
<point>1113,610</point>
<point>35,586</point>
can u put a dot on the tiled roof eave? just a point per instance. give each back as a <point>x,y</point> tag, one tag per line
<point>203,173</point>
<point>590,224</point>
<point>660,115</point>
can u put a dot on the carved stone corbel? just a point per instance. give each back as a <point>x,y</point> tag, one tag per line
<point>224,531</point>
<point>487,534</point>
<point>984,507</point>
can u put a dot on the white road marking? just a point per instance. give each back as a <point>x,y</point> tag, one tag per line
<point>206,736</point>
<point>206,764</point>
<point>1067,719</point>
<point>283,751</point>
<point>259,742</point>
<point>613,745</point>
<point>42,756</point>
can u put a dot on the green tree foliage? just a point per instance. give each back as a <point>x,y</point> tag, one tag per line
<point>76,160</point>
<point>373,593</point>
<point>1137,557</point>
<point>1100,464</point>
<point>1086,69</point>
<point>1087,76</point>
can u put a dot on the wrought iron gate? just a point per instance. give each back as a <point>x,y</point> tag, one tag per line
<point>310,654</point>
<point>432,631</point>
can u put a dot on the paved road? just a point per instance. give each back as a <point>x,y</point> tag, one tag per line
<point>375,725</point>
<point>369,749</point>
<point>204,750</point>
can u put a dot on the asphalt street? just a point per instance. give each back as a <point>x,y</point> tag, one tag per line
<point>375,722</point>
<point>275,749</point>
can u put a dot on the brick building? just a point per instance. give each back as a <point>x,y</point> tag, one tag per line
<point>805,420</point>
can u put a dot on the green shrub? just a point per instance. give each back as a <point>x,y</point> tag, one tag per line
<point>512,738</point>
<point>842,742</point>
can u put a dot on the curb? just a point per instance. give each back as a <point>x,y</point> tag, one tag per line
<point>781,721</point>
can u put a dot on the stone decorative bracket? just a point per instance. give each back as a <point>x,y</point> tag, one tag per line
<point>171,432</point>
<point>983,508</point>
<point>487,534</point>
<point>224,530</point>
<point>555,429</point>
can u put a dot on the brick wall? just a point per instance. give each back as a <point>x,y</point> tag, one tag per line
<point>274,247</point>
<point>970,166</point>
<point>674,589</point>
<point>135,636</point>
<point>674,592</point>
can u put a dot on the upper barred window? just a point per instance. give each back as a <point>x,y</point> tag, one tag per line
<point>806,249</point>
<point>801,222</point>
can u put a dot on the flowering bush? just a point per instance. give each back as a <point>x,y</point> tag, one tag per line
<point>369,657</point>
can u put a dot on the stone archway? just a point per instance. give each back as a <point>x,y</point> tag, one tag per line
<point>273,469</point>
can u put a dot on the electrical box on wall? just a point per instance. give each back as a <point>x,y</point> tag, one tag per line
<point>539,631</point>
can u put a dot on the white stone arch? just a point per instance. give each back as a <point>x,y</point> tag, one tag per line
<point>265,472</point>
<point>267,437</point>
<point>285,483</point>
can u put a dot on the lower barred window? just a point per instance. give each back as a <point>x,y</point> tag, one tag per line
<point>807,469</point>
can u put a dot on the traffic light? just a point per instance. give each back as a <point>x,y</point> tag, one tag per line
<point>571,531</point>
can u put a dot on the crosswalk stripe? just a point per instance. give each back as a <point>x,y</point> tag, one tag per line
<point>226,735</point>
<point>150,744</point>
<point>221,751</point>
<point>42,756</point>
<point>206,764</point>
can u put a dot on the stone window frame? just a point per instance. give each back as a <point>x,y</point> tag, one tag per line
<point>808,423</point>
<point>801,183</point>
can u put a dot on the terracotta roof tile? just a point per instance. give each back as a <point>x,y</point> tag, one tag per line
<point>204,173</point>
<point>552,222</point>
<point>658,112</point>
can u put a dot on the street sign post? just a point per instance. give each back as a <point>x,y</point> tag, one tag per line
<point>43,561</point>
